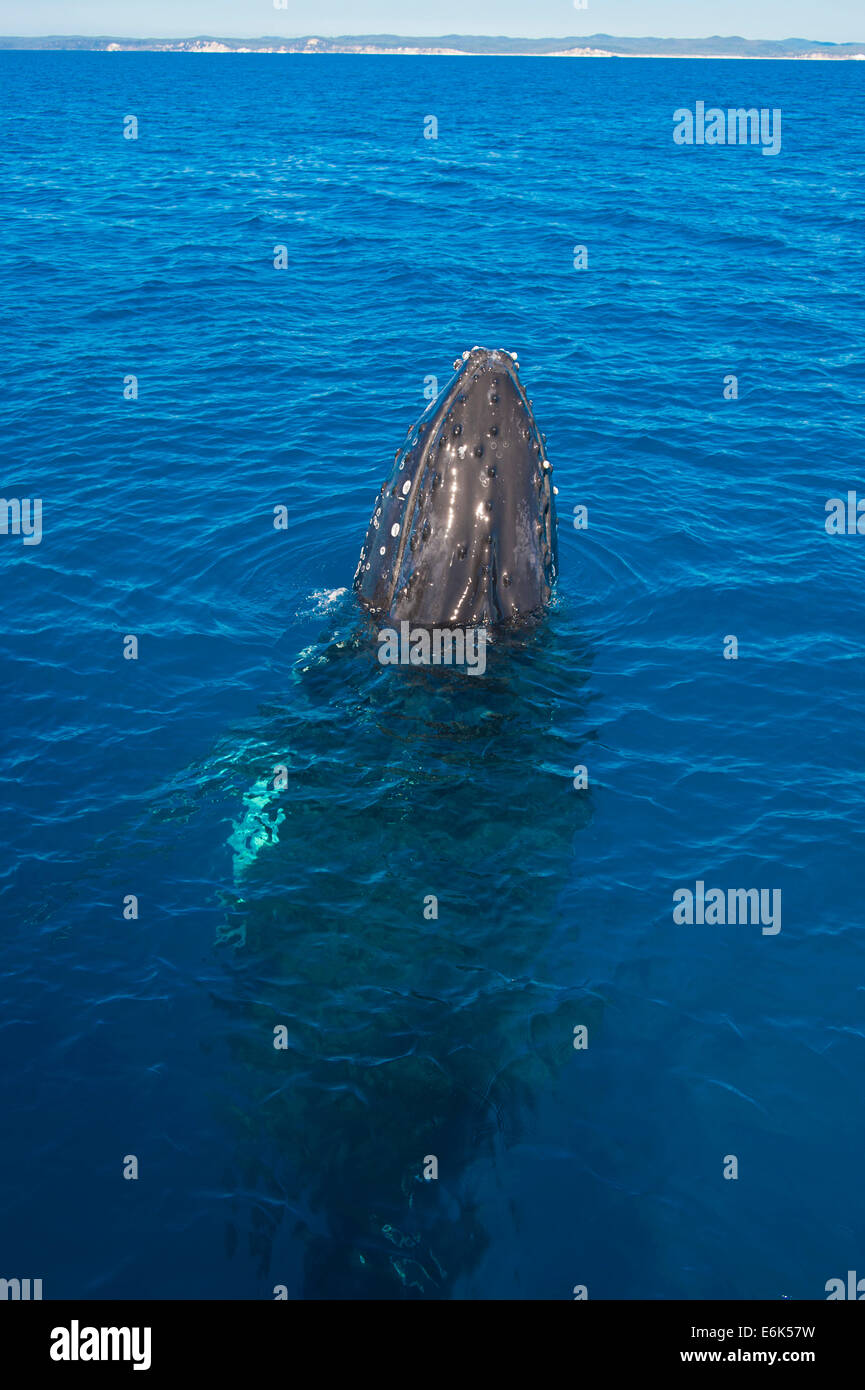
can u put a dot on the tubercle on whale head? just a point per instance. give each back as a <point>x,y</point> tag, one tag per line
<point>464,529</point>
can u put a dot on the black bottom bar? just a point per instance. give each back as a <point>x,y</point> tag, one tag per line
<point>69,1339</point>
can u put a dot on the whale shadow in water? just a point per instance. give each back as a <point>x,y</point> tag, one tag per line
<point>407,1037</point>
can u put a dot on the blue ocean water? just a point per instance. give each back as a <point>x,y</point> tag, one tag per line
<point>408,1037</point>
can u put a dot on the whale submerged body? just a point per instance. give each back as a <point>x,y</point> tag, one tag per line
<point>377,916</point>
<point>399,908</point>
<point>464,530</point>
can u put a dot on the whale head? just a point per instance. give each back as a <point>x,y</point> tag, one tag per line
<point>464,529</point>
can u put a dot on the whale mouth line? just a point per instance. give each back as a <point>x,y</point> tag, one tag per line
<point>464,530</point>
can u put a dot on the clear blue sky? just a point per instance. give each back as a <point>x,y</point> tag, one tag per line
<point>834,20</point>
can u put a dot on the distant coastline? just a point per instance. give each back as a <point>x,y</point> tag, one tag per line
<point>459,45</point>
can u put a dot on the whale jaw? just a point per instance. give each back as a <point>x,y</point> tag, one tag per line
<point>464,530</point>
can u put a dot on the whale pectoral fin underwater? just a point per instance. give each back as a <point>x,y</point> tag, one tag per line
<point>464,529</point>
<point>257,826</point>
<point>319,673</point>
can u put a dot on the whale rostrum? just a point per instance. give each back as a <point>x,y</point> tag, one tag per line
<point>464,530</point>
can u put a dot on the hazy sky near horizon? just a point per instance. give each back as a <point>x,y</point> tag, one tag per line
<point>832,20</point>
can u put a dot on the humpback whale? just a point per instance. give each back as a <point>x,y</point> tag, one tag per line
<point>390,1013</point>
<point>464,529</point>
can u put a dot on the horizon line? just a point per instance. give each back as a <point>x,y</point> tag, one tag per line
<point>599,45</point>
<point>513,38</point>
<point>453,34</point>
